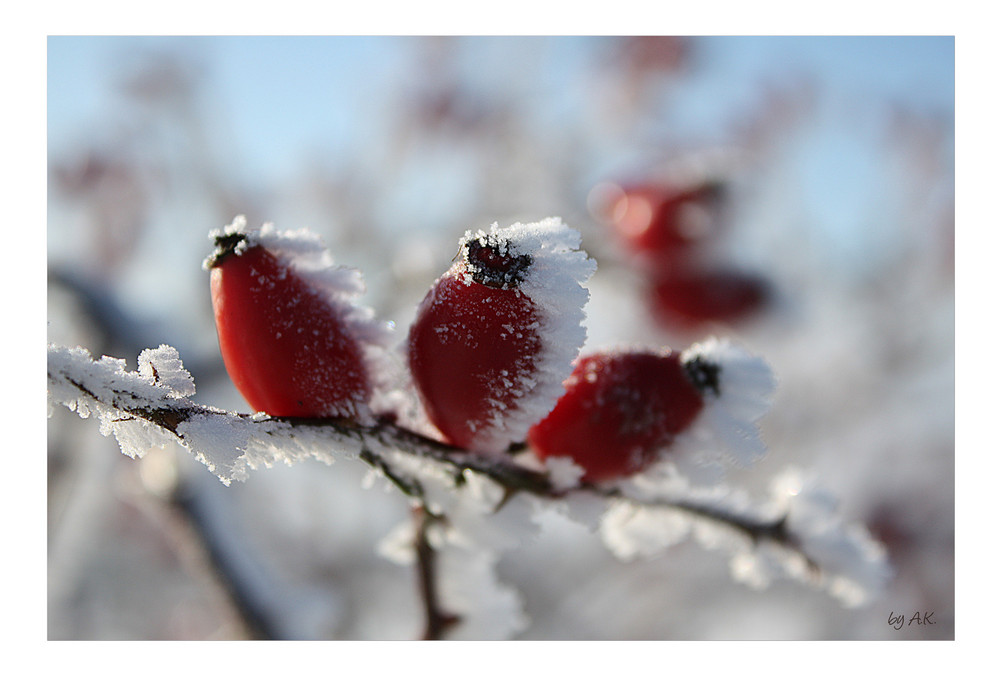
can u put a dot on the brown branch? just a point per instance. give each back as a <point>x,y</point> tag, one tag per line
<point>436,620</point>
<point>502,470</point>
<point>756,529</point>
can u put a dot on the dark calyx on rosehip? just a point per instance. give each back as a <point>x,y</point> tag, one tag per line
<point>491,265</point>
<point>227,243</point>
<point>703,374</point>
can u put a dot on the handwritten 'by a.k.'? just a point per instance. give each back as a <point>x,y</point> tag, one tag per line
<point>897,621</point>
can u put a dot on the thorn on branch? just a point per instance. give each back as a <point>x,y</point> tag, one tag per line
<point>409,486</point>
<point>507,495</point>
<point>776,531</point>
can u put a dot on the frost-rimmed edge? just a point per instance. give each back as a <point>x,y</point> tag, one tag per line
<point>740,396</point>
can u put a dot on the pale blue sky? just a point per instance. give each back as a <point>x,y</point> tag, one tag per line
<point>280,97</point>
<point>275,104</point>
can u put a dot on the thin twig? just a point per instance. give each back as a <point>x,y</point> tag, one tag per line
<point>254,613</point>
<point>756,529</point>
<point>436,620</point>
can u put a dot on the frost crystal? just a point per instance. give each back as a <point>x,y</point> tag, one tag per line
<point>479,522</point>
<point>630,531</point>
<point>797,534</point>
<point>854,565</point>
<point>87,387</point>
<point>398,546</point>
<point>163,366</point>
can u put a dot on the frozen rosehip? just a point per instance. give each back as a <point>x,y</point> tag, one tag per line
<point>619,412</point>
<point>496,334</point>
<point>692,297</point>
<point>292,342</point>
<point>624,410</point>
<point>660,222</point>
<point>474,344</point>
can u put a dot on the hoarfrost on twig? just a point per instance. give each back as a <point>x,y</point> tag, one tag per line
<point>483,505</point>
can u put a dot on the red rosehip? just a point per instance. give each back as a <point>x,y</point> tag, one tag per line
<point>660,222</point>
<point>495,336</point>
<point>693,297</point>
<point>292,342</point>
<point>620,410</point>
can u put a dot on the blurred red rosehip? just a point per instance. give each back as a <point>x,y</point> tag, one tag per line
<point>692,297</point>
<point>661,222</point>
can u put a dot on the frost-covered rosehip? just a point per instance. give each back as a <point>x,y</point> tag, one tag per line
<point>619,411</point>
<point>496,335</point>
<point>293,342</point>
<point>622,410</point>
<point>691,297</point>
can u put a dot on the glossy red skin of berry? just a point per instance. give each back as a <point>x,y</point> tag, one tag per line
<point>691,298</point>
<point>285,347</point>
<point>619,412</point>
<point>657,222</point>
<point>469,347</point>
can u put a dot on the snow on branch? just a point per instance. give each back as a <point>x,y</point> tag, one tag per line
<point>151,407</point>
<point>479,502</point>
